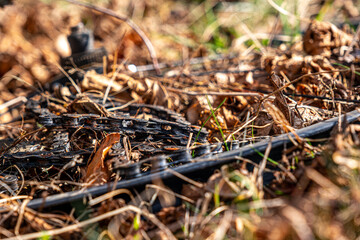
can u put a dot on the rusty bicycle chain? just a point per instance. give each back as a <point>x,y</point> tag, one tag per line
<point>162,143</point>
<point>172,133</point>
<point>160,140</point>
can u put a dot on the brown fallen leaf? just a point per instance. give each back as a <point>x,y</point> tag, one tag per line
<point>322,37</point>
<point>297,65</point>
<point>93,80</point>
<point>151,91</point>
<point>327,84</point>
<point>230,119</point>
<point>158,94</point>
<point>193,112</point>
<point>84,105</point>
<point>97,171</point>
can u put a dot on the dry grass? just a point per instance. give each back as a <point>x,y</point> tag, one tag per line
<point>316,191</point>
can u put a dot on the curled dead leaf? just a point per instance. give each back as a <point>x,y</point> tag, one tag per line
<point>157,94</point>
<point>322,37</point>
<point>84,105</point>
<point>281,123</point>
<point>97,171</point>
<point>298,65</point>
<point>137,85</point>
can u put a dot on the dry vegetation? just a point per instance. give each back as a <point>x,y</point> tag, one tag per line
<point>246,71</point>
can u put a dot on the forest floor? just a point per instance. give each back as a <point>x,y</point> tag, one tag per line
<point>179,80</point>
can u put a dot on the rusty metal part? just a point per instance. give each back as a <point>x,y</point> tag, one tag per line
<point>71,135</point>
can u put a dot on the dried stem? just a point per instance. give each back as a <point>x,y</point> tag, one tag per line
<point>277,91</point>
<point>82,224</point>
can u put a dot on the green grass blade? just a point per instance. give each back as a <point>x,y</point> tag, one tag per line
<point>346,67</point>
<point>202,126</point>
<point>262,155</point>
<point>217,123</point>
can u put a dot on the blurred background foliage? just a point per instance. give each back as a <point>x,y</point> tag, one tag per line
<point>179,28</point>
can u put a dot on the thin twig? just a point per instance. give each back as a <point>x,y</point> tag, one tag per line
<point>253,37</point>
<point>22,178</point>
<point>82,224</point>
<point>130,23</point>
<point>13,102</point>
<point>276,91</point>
<point>109,195</point>
<point>4,200</point>
<point>355,38</point>
<point>224,225</point>
<point>170,192</point>
<point>21,212</point>
<point>77,88</point>
<point>263,165</point>
<point>186,179</point>
<point>211,215</point>
<point>190,93</point>
<point>110,83</point>
<point>287,13</point>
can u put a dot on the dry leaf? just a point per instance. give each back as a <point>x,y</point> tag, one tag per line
<point>327,84</point>
<point>322,37</point>
<point>158,94</point>
<point>152,92</point>
<point>193,113</point>
<point>298,65</point>
<point>224,79</point>
<point>96,169</point>
<point>84,105</point>
<point>249,78</point>
<point>230,119</point>
<point>93,80</point>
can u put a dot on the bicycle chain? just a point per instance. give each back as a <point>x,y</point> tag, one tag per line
<point>161,143</point>
<point>142,133</point>
<point>159,140</point>
<point>138,129</point>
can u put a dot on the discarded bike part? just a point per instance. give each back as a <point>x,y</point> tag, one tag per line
<point>156,128</point>
<point>202,151</point>
<point>129,171</point>
<point>158,163</point>
<point>202,165</point>
<point>85,59</point>
<point>81,39</point>
<point>83,56</point>
<point>171,157</point>
<point>73,135</point>
<point>81,42</point>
